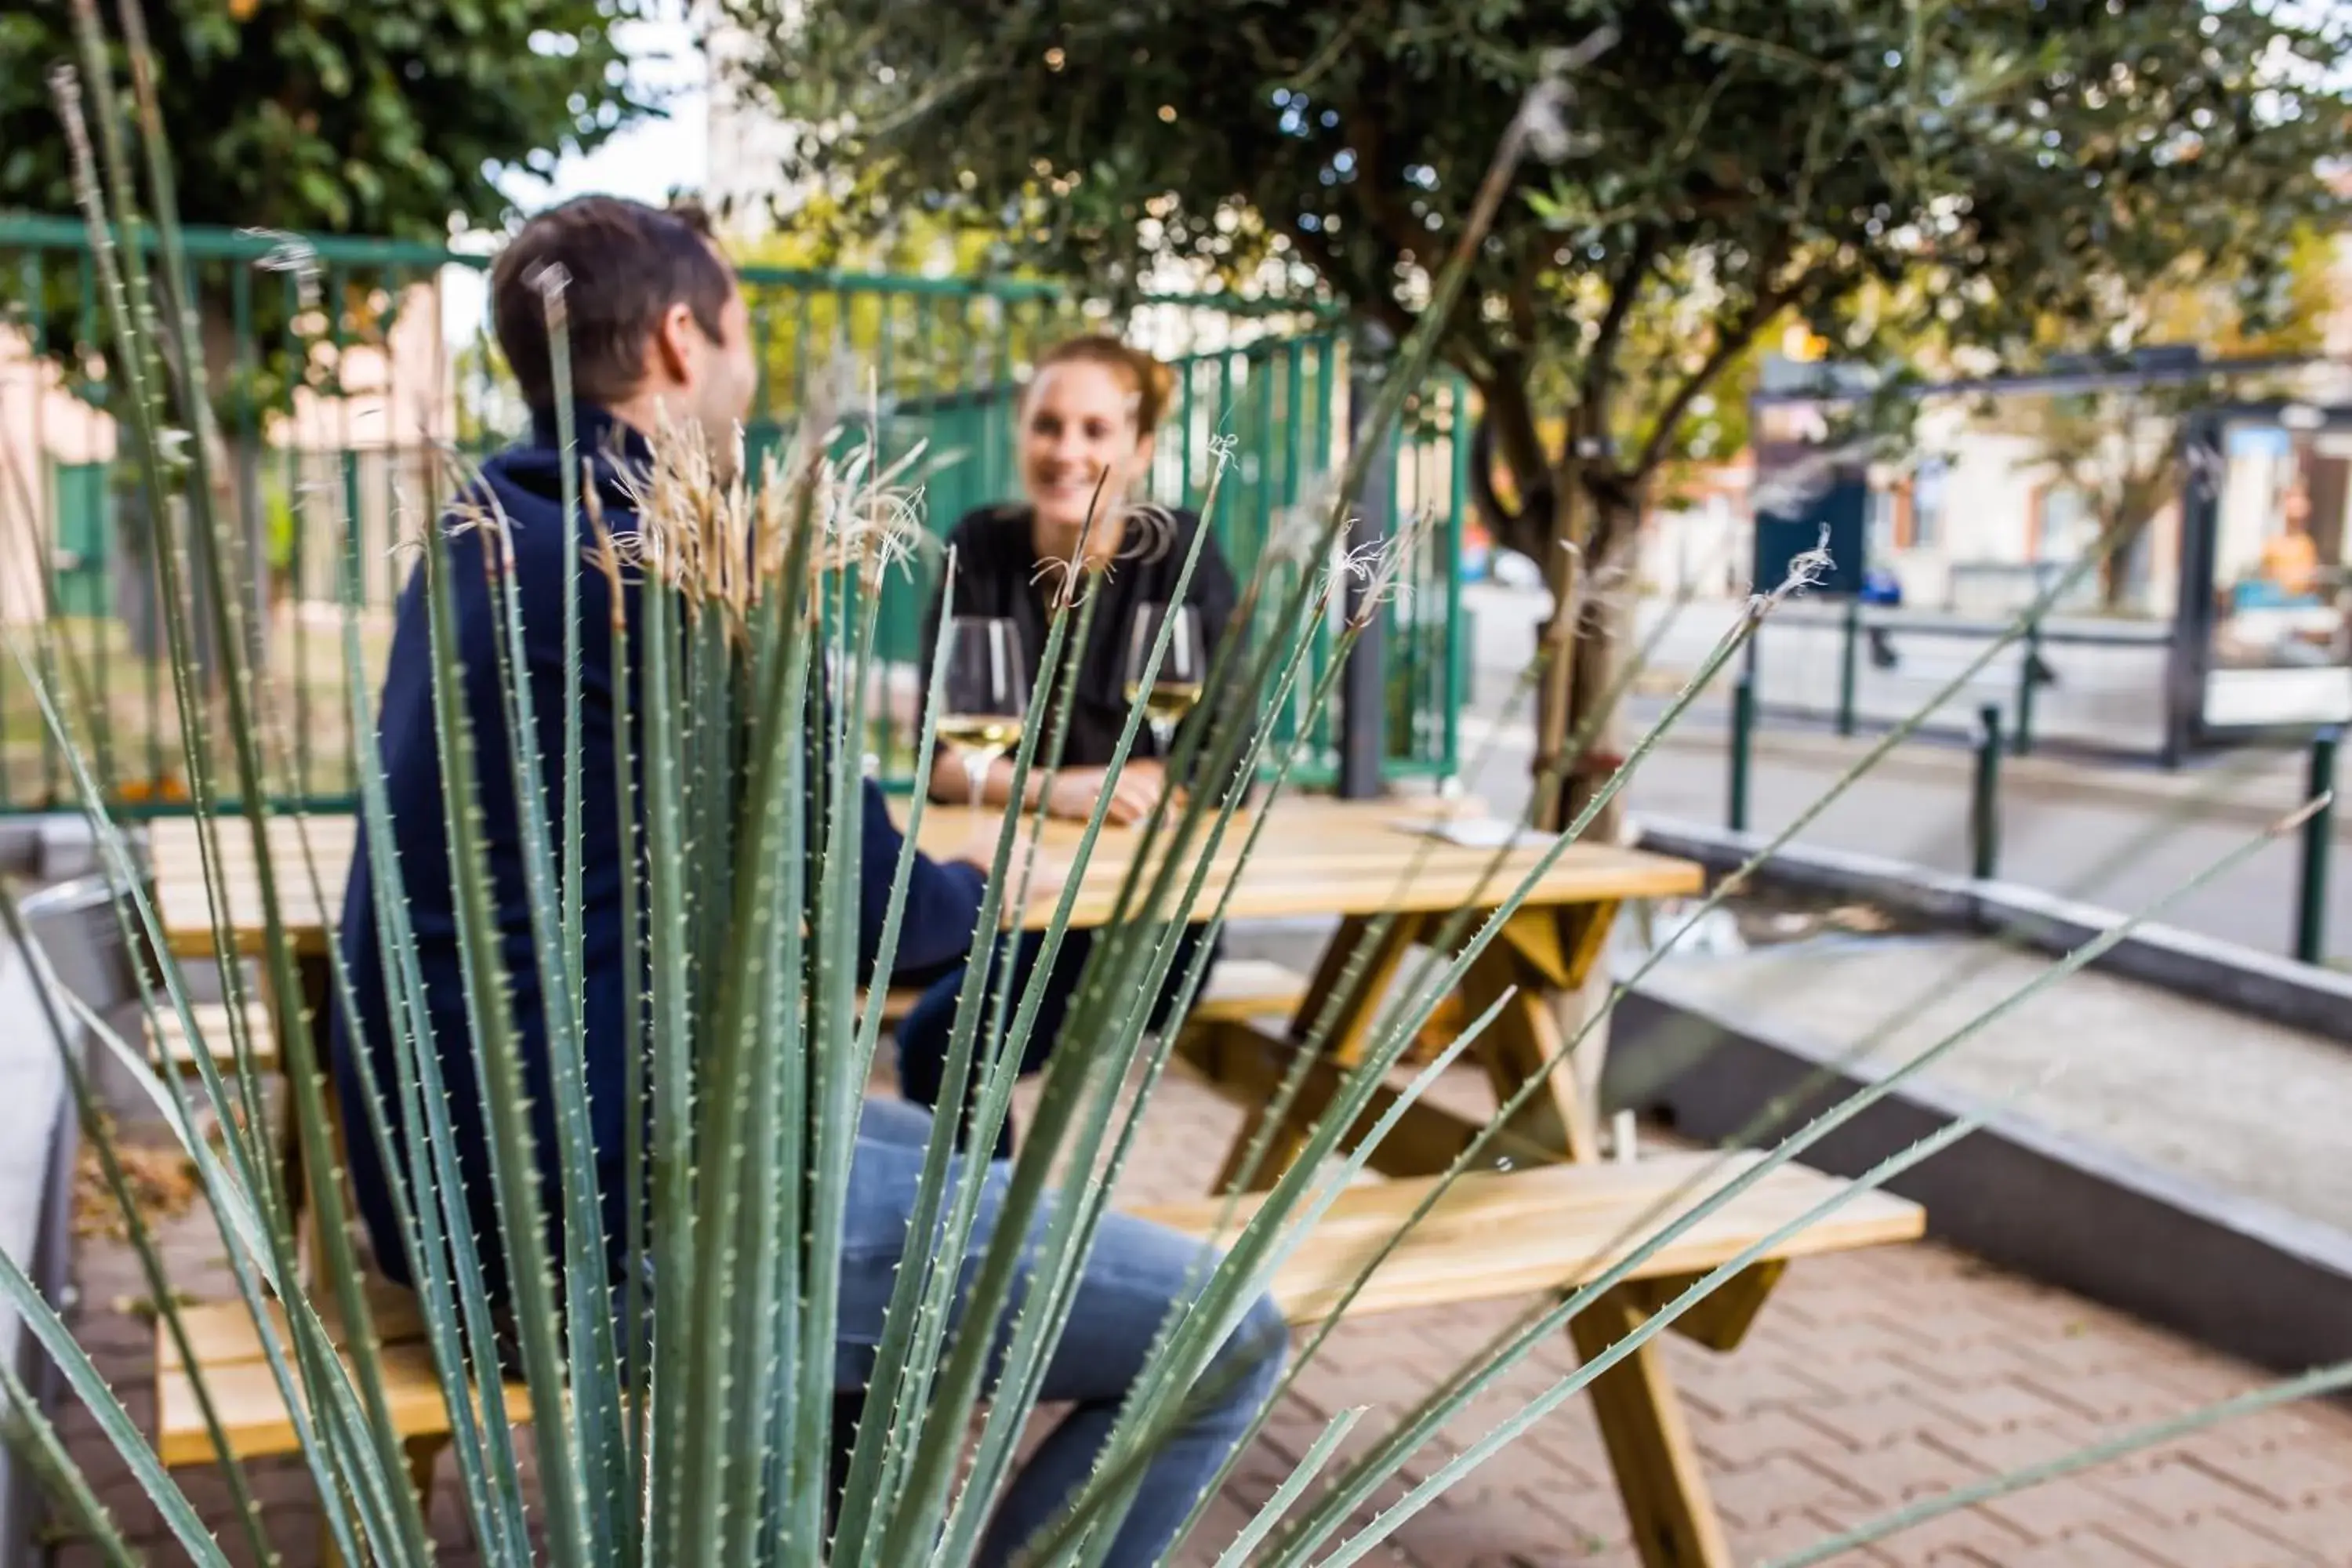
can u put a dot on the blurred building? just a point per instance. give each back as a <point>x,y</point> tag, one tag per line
<point>750,143</point>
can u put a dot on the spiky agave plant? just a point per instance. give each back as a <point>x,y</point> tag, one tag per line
<point>709,1443</point>
<point>750,606</point>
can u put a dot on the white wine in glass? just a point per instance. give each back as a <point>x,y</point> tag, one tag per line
<point>1174,689</point>
<point>986,697</point>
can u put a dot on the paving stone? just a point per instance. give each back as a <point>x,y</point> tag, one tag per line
<point>1873,1379</point>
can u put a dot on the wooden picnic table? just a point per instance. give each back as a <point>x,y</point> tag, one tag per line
<point>1315,856</point>
<point>1389,886</point>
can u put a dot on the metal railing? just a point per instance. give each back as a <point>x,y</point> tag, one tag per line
<point>349,374</point>
<point>2094,683</point>
<point>2314,834</point>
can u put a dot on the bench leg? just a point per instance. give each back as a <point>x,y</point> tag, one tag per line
<point>424,1458</point>
<point>1666,1501</point>
<point>1351,1004</point>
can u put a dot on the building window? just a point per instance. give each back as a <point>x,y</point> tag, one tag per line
<point>1927,504</point>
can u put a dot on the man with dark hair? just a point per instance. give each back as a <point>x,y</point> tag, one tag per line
<point>659,332</point>
<point>630,272</point>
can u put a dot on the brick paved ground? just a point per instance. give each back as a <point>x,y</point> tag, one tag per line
<point>1871,1380</point>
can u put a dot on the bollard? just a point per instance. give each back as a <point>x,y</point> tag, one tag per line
<point>1743,733</point>
<point>1846,666</point>
<point>2022,742</point>
<point>2318,839</point>
<point>1984,806</point>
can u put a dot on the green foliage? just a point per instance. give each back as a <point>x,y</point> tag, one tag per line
<point>389,121</point>
<point>1720,169</point>
<point>962,337</point>
<point>336,118</point>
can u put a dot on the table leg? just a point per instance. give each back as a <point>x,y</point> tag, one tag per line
<point>317,979</point>
<point>1345,1010</point>
<point>1658,1474</point>
<point>1519,973</point>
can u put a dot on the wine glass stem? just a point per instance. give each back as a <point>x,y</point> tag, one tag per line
<point>975,775</point>
<point>1165,733</point>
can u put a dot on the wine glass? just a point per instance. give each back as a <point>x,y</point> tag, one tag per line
<point>1175,688</point>
<point>986,695</point>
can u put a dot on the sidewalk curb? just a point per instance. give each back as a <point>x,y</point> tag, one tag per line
<point>2238,1276</point>
<point>2278,990</point>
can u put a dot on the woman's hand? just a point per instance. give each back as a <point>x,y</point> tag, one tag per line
<point>1132,798</point>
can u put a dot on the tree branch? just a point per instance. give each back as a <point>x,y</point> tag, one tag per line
<point>1622,291</point>
<point>1729,344</point>
<point>1506,417</point>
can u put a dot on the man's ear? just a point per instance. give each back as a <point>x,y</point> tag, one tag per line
<point>671,359</point>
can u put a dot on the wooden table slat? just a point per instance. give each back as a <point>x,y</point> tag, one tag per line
<point>1317,857</point>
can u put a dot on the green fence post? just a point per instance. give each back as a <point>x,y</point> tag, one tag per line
<point>2022,742</point>
<point>1847,671</point>
<point>1984,806</point>
<point>2318,839</point>
<point>1743,734</point>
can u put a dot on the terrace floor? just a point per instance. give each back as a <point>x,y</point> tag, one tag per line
<point>1871,1380</point>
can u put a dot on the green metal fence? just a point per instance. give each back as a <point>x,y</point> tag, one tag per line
<point>349,374</point>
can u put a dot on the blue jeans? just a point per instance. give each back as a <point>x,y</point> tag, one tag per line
<point>925,1033</point>
<point>1135,1272</point>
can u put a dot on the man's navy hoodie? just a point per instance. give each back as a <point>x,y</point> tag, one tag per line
<point>942,900</point>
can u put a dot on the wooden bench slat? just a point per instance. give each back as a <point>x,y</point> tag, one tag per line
<point>168,1040</point>
<point>223,1331</point>
<point>1492,1236</point>
<point>1497,1235</point>
<point>253,1418</point>
<point>1239,990</point>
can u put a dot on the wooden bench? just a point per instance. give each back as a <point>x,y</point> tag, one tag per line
<point>1239,990</point>
<point>228,1349</point>
<point>169,1046</point>
<point>1559,1226</point>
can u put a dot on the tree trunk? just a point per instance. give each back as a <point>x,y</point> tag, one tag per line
<point>1585,661</point>
<point>1579,646</point>
<point>1575,720</point>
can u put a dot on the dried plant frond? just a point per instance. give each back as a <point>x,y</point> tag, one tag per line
<point>294,256</point>
<point>1543,116</point>
<point>1148,532</point>
<point>474,508</point>
<point>1296,535</point>
<point>869,519</point>
<point>605,555</point>
<point>1384,567</point>
<point>1800,484</point>
<point>551,279</point>
<point>1806,568</point>
<point>1061,577</point>
<point>1375,570</point>
<point>695,524</point>
<point>1593,588</point>
<point>869,529</point>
